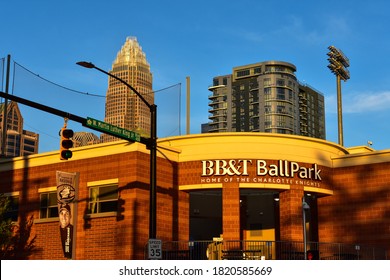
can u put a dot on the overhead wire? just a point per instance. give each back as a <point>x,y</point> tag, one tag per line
<point>80,92</point>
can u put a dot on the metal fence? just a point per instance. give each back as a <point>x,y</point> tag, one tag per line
<point>267,250</point>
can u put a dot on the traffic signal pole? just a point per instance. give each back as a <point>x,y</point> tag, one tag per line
<point>150,142</point>
<point>63,114</point>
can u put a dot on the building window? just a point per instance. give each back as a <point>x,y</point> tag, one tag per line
<point>267,93</point>
<point>224,81</point>
<point>242,73</point>
<point>267,82</point>
<point>49,207</point>
<point>103,198</point>
<point>280,82</point>
<point>280,94</point>
<point>267,109</point>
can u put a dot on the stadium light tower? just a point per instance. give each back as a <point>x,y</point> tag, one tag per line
<point>338,64</point>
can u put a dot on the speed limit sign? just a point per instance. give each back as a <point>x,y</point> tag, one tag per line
<point>155,249</point>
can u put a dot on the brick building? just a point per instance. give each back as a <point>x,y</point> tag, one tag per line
<point>238,186</point>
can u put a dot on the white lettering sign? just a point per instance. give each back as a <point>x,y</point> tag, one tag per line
<point>283,168</point>
<point>223,167</point>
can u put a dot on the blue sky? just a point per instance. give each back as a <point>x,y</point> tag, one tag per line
<point>200,39</point>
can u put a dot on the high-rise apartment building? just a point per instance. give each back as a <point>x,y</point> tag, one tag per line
<point>123,107</point>
<point>18,142</point>
<point>265,97</point>
<point>311,112</point>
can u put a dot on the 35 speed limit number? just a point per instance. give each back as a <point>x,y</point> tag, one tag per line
<point>155,249</point>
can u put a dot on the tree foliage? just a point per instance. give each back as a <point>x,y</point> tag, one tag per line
<point>6,225</point>
<point>15,239</point>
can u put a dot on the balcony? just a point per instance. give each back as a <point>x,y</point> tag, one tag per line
<point>216,95</point>
<point>221,114</point>
<point>217,108</point>
<point>218,121</point>
<point>215,102</point>
<point>211,88</point>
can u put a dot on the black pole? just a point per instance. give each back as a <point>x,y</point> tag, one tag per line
<point>5,109</point>
<point>91,65</point>
<point>153,171</point>
<point>152,146</point>
<point>45,108</point>
<point>63,114</point>
<point>305,208</point>
<point>304,229</point>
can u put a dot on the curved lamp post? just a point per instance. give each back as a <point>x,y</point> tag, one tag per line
<point>151,144</point>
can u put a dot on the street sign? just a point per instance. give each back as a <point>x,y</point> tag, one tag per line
<point>113,130</point>
<point>155,249</point>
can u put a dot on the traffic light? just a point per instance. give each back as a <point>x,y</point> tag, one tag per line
<point>66,143</point>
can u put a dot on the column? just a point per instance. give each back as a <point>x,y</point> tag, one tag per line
<point>231,211</point>
<point>290,204</point>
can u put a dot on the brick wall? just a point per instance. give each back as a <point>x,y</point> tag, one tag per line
<point>104,237</point>
<point>359,210</point>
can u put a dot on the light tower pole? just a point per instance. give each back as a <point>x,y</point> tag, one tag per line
<point>338,65</point>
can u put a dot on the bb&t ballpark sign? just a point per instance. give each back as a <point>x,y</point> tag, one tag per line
<point>260,171</point>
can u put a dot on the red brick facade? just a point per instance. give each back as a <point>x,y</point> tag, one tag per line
<point>104,237</point>
<point>352,197</point>
<point>360,211</point>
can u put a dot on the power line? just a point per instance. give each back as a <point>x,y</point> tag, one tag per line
<point>40,131</point>
<point>58,85</point>
<point>80,92</point>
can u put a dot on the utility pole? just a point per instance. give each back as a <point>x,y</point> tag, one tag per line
<point>188,102</point>
<point>81,120</point>
<point>5,114</point>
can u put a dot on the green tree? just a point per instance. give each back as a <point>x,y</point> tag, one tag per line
<point>15,239</point>
<point>6,226</point>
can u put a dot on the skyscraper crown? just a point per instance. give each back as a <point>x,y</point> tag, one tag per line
<point>131,53</point>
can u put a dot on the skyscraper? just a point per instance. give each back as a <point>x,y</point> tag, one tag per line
<point>123,107</point>
<point>19,142</point>
<point>265,97</point>
<point>84,139</point>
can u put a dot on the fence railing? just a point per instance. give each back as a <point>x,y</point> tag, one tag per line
<point>266,250</point>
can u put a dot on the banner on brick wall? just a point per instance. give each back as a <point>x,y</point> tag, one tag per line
<point>67,186</point>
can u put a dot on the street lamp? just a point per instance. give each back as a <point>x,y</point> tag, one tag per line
<point>305,207</point>
<point>150,143</point>
<point>338,65</point>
